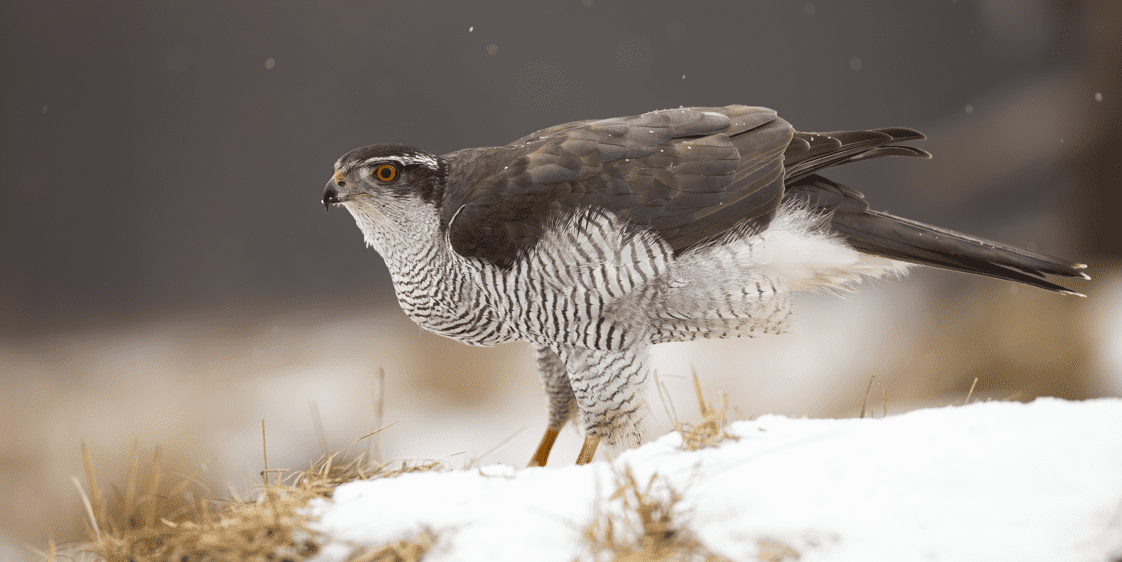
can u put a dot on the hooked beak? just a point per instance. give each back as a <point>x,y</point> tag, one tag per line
<point>332,193</point>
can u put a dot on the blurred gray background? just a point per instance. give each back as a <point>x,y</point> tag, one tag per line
<point>167,273</point>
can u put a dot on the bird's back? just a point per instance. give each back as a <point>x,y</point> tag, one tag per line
<point>695,175</point>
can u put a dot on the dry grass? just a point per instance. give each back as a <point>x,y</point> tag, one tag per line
<point>773,550</point>
<point>713,427</point>
<point>181,523</point>
<point>164,516</point>
<point>649,529</point>
<point>883,398</point>
<point>650,526</point>
<point>400,551</point>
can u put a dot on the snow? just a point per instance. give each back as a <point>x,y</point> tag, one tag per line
<point>987,481</point>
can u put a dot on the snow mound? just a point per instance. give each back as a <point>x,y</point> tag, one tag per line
<point>989,481</point>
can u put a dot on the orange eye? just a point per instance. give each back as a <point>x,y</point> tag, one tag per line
<point>385,172</point>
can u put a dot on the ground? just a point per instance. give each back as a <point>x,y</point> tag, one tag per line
<point>986,481</point>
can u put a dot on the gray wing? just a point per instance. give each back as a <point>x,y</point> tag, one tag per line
<point>676,172</point>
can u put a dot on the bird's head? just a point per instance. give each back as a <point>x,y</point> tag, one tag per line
<point>379,174</point>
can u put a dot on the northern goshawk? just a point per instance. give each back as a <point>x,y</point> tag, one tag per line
<point>596,239</point>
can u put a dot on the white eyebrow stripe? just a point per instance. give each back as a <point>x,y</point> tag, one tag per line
<point>426,161</point>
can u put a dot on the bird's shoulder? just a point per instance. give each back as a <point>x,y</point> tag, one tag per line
<point>660,170</point>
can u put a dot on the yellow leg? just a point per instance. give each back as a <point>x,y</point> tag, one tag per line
<point>588,449</point>
<point>542,454</point>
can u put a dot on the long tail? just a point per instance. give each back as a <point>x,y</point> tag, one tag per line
<point>903,239</point>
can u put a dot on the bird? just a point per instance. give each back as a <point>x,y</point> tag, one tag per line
<point>597,239</point>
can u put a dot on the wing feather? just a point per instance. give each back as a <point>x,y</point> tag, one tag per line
<point>689,174</point>
<point>664,170</point>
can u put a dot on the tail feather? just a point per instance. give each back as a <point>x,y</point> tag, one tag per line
<point>808,153</point>
<point>882,234</point>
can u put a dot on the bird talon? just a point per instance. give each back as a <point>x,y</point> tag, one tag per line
<point>588,449</point>
<point>546,445</point>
